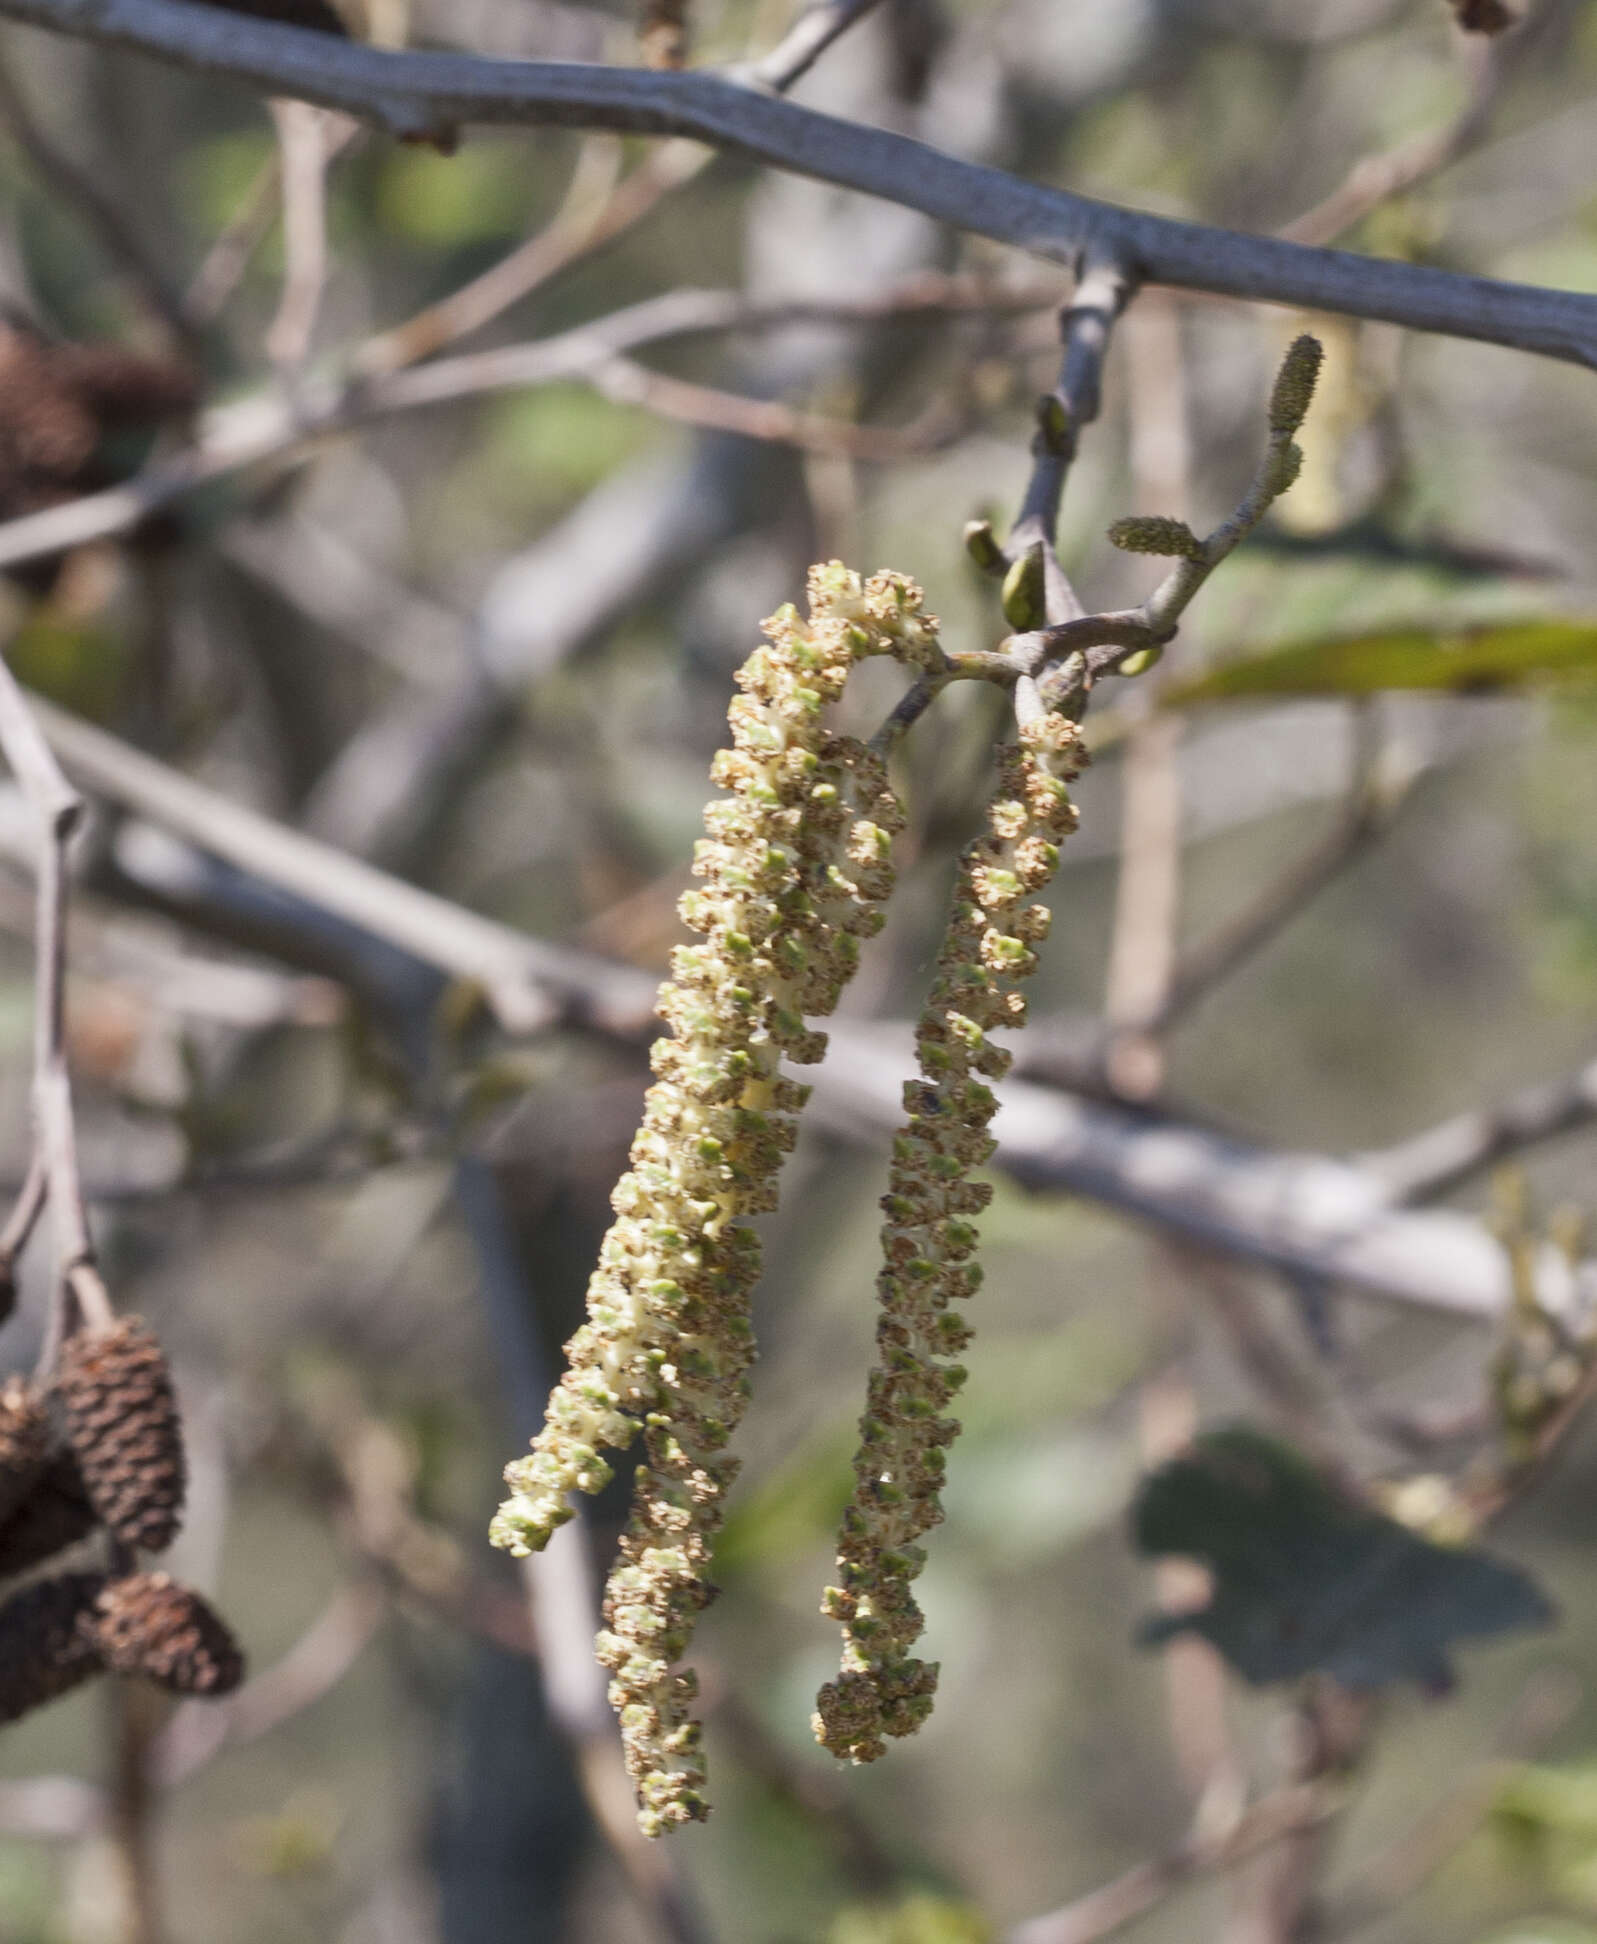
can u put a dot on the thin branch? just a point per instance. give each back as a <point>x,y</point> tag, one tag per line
<point>1429,1165</point>
<point>77,189</point>
<point>1301,1213</point>
<point>423,94</point>
<point>804,43</point>
<point>1275,1817</point>
<point>304,147</point>
<point>1375,179</point>
<point>1371,805</point>
<point>57,806</point>
<point>329,1647</point>
<point>268,427</point>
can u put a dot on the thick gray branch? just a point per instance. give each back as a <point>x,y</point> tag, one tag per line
<point>411,94</point>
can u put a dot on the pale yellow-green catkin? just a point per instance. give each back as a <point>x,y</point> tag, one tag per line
<point>928,1239</point>
<point>794,867</point>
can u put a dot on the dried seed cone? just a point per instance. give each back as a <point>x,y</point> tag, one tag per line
<point>24,1442</point>
<point>46,1642</point>
<point>147,1624</point>
<point>121,1418</point>
<point>55,1514</point>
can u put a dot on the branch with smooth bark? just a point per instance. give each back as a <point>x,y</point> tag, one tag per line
<point>425,94</point>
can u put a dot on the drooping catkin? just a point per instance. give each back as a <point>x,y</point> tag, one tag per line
<point>927,1241</point>
<point>795,864</point>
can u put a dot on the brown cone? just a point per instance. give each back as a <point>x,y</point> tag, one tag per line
<point>147,1624</point>
<point>121,1419</point>
<point>24,1442</point>
<point>54,1515</point>
<point>47,1641</point>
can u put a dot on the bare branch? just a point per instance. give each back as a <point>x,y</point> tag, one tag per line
<point>425,93</point>
<point>80,193</point>
<point>269,427</point>
<point>1433,1163</point>
<point>805,42</point>
<point>306,139</point>
<point>1286,1812</point>
<point>1301,1213</point>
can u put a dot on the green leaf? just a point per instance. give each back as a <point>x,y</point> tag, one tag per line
<point>1484,656</point>
<point>917,1919</point>
<point>1309,1579</point>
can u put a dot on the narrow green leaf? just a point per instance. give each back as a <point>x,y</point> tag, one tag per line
<point>1483,657</point>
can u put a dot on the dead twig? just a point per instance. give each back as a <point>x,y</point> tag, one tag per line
<point>1271,1820</point>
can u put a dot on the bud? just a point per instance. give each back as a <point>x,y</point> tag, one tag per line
<point>1024,596</point>
<point>1140,660</point>
<point>981,543</point>
<point>121,1418</point>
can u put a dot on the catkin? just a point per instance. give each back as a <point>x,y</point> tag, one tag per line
<point>794,866</point>
<point>928,1239</point>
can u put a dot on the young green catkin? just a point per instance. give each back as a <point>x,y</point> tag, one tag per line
<point>795,865</point>
<point>928,1239</point>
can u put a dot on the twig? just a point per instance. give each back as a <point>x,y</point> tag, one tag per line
<point>58,807</point>
<point>229,256</point>
<point>596,209</point>
<point>421,94</point>
<point>1375,179</point>
<point>560,1581</point>
<point>269,428</point>
<point>1084,326</point>
<point>329,1647</point>
<point>626,382</point>
<point>1284,1813</point>
<point>1301,1213</point>
<point>79,191</point>
<point>303,147</point>
<point>1411,1859</point>
<point>804,43</point>
<point>131,1810</point>
<point>1429,1165</point>
<point>1371,805</point>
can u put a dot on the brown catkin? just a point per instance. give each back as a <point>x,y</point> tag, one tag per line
<point>55,1514</point>
<point>46,1642</point>
<point>24,1442</point>
<point>147,1624</point>
<point>121,1418</point>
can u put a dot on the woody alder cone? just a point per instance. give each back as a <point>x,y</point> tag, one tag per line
<point>46,1646</point>
<point>55,1514</point>
<point>147,1624</point>
<point>121,1418</point>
